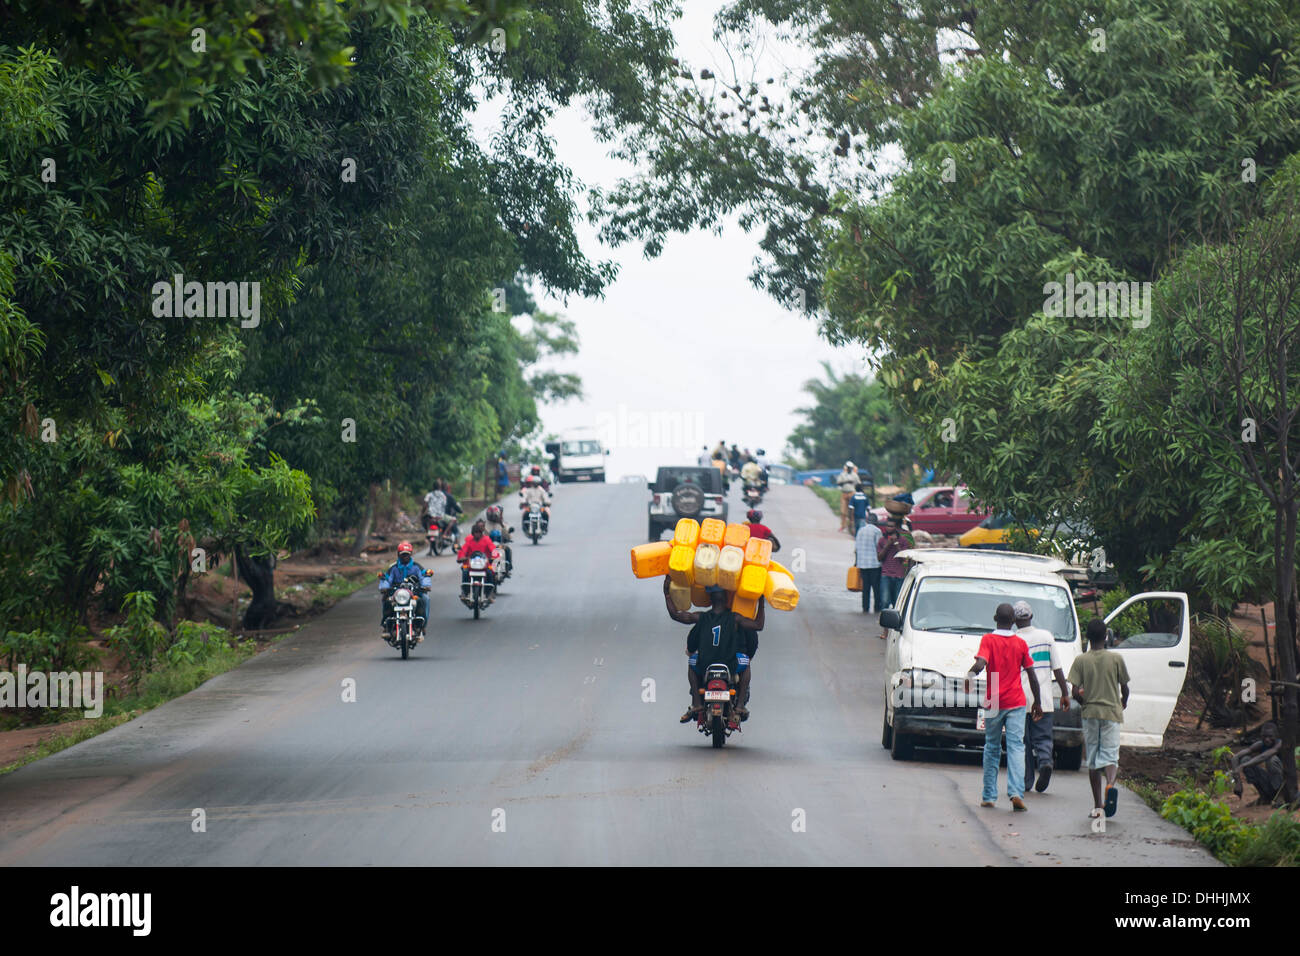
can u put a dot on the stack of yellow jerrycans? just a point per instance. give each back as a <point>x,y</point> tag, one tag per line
<point>713,552</point>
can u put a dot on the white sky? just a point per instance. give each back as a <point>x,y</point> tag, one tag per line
<point>682,351</point>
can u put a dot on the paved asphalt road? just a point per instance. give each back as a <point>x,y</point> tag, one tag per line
<point>532,718</point>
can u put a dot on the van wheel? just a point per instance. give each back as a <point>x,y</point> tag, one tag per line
<point>1069,758</point>
<point>886,731</point>
<point>901,745</point>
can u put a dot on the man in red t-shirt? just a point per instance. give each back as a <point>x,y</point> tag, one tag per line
<point>759,530</point>
<point>1005,655</point>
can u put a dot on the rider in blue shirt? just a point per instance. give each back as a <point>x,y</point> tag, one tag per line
<point>404,567</point>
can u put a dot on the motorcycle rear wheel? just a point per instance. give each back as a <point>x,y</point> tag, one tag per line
<point>438,545</point>
<point>719,733</point>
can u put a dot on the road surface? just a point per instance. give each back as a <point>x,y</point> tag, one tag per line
<point>523,738</point>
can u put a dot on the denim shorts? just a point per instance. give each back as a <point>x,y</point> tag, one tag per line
<point>1101,742</point>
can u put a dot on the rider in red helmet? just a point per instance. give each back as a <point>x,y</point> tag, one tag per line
<point>536,473</point>
<point>759,530</point>
<point>404,567</point>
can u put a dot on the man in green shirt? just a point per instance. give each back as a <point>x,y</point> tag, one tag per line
<point>1100,680</point>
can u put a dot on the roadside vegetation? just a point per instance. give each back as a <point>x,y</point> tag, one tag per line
<point>228,332</point>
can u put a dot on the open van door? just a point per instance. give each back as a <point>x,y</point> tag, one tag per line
<point>1153,632</point>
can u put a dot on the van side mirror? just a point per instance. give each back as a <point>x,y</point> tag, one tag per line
<point>891,620</point>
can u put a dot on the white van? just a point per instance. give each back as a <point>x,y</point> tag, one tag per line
<point>578,456</point>
<point>946,604</point>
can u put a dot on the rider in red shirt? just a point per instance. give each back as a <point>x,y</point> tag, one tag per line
<point>477,542</point>
<point>757,530</point>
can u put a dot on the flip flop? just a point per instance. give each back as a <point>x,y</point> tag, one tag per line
<point>1112,800</point>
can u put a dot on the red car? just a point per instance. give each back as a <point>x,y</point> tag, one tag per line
<point>940,509</point>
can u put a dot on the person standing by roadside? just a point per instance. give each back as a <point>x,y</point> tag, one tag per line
<point>1006,656</point>
<point>859,504</point>
<point>1047,662</point>
<point>895,538</point>
<point>1100,679</point>
<point>868,562</point>
<point>503,474</point>
<point>846,481</point>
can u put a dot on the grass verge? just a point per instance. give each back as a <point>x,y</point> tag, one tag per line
<point>829,495</point>
<point>171,679</point>
<point>160,685</point>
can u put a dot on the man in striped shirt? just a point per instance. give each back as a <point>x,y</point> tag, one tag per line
<point>1047,662</point>
<point>867,561</point>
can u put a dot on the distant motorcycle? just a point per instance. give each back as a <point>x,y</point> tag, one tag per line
<point>443,535</point>
<point>535,522</point>
<point>753,494</point>
<point>717,718</point>
<point>404,630</point>
<point>481,589</point>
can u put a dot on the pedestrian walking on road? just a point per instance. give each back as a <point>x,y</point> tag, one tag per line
<point>1047,662</point>
<point>846,481</point>
<point>868,562</point>
<point>1100,679</point>
<point>1005,656</point>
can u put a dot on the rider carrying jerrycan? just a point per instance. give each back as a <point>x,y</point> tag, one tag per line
<point>403,568</point>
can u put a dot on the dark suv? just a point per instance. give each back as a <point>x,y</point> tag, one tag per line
<point>685,491</point>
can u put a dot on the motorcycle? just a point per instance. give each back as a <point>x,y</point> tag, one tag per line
<point>753,494</point>
<point>500,568</point>
<point>481,590</point>
<point>535,522</point>
<point>401,620</point>
<point>717,718</point>
<point>443,535</point>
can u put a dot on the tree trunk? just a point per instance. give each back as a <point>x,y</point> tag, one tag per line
<point>367,520</point>
<point>1284,614</point>
<point>259,573</point>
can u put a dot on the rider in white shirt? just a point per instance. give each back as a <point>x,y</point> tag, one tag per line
<point>533,492</point>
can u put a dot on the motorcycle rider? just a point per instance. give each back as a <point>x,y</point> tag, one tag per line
<point>761,458</point>
<point>453,507</point>
<point>496,525</point>
<point>729,638</point>
<point>752,474</point>
<point>759,530</point>
<point>478,542</point>
<point>536,473</point>
<point>403,568</point>
<point>435,508</point>
<point>533,492</point>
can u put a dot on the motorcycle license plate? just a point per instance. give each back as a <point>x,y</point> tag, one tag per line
<point>717,695</point>
<point>979,718</point>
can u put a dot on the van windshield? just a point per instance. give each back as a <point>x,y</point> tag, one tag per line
<point>581,448</point>
<point>966,605</point>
